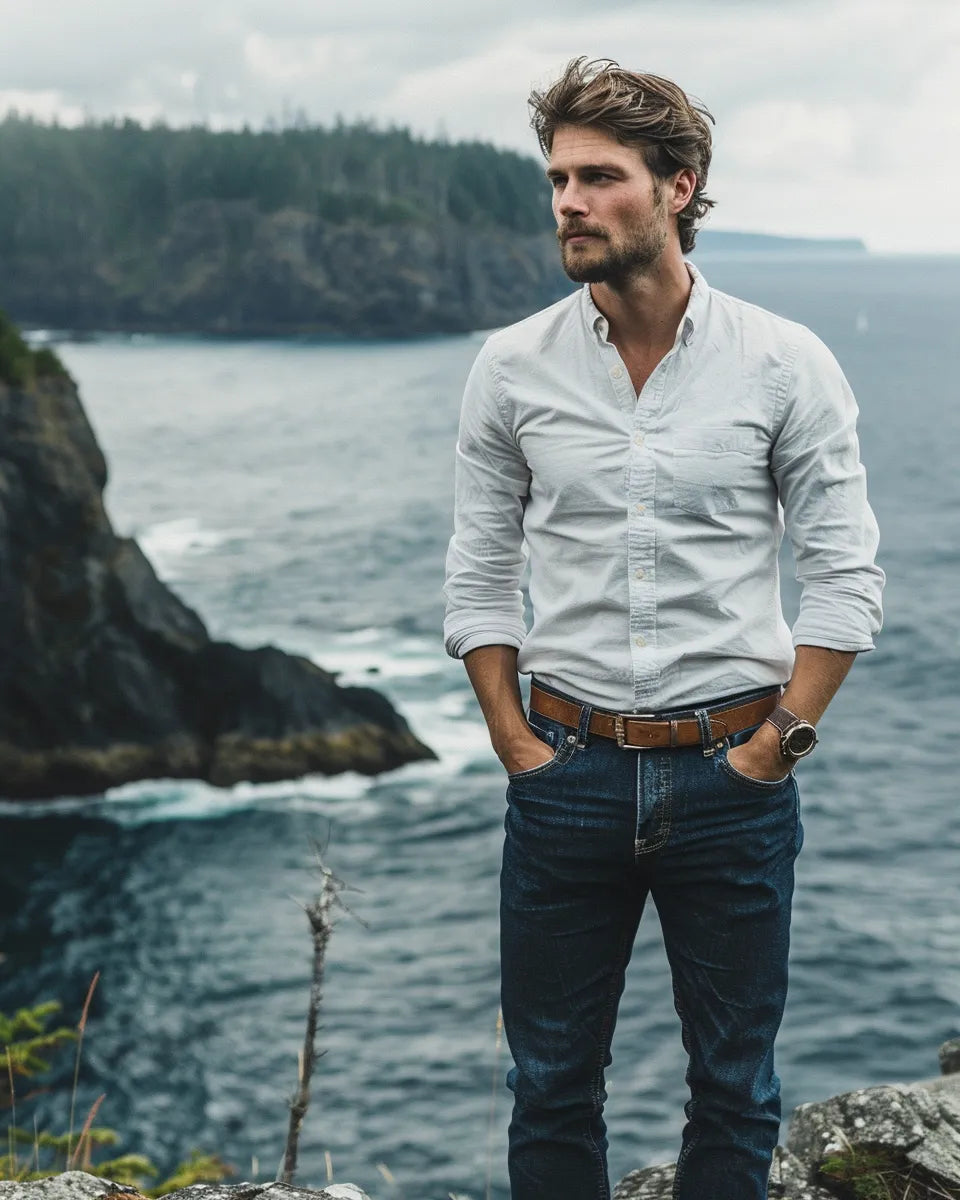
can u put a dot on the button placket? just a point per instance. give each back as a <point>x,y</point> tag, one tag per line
<point>641,540</point>
<point>640,537</point>
<point>619,378</point>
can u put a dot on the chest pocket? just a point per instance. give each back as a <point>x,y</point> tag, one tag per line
<point>709,465</point>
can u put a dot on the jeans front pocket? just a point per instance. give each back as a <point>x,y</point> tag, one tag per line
<point>763,785</point>
<point>559,737</point>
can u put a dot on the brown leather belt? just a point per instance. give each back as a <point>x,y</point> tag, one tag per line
<point>631,732</point>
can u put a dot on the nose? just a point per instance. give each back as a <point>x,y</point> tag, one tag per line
<point>568,201</point>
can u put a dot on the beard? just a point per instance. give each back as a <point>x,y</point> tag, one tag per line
<point>615,262</point>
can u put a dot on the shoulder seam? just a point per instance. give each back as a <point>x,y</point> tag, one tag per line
<point>783,383</point>
<point>498,390</point>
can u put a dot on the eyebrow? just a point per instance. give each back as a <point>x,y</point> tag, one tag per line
<point>607,168</point>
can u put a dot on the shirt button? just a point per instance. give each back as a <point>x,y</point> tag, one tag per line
<point>638,438</point>
<point>639,572</point>
<point>617,372</point>
<point>640,508</point>
<point>641,641</point>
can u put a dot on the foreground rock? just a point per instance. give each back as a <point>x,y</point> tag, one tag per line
<point>912,1129</point>
<point>78,1185</point>
<point>106,676</point>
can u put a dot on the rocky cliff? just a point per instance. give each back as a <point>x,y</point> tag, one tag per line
<point>224,267</point>
<point>105,675</point>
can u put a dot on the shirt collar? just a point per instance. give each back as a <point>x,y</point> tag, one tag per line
<point>693,315</point>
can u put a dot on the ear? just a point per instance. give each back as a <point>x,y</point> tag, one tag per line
<point>684,185</point>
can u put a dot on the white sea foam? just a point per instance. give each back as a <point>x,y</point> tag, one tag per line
<point>149,800</point>
<point>364,656</point>
<point>167,543</point>
<point>448,720</point>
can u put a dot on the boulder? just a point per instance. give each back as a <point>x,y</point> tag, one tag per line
<point>950,1057</point>
<point>647,1183</point>
<point>788,1181</point>
<point>914,1124</point>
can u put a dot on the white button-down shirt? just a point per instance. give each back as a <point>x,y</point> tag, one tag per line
<point>652,523</point>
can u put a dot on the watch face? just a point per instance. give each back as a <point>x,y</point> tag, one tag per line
<point>801,740</point>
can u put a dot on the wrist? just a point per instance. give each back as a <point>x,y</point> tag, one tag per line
<point>767,740</point>
<point>506,739</point>
<point>797,736</point>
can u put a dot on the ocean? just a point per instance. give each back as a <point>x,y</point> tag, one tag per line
<point>299,493</point>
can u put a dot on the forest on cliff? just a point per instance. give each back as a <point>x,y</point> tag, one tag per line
<point>118,180</point>
<point>343,230</point>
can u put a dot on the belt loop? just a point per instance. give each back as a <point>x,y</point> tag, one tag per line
<point>586,712</point>
<point>710,746</point>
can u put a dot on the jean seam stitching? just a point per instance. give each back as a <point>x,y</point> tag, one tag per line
<point>606,1036</point>
<point>692,1104</point>
<point>666,773</point>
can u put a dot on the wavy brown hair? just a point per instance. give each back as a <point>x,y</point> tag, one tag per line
<point>646,111</point>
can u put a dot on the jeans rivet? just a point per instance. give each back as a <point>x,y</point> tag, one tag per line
<point>571,737</point>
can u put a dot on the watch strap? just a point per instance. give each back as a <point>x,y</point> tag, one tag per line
<point>782,718</point>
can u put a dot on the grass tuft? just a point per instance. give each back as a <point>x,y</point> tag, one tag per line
<point>24,1043</point>
<point>865,1171</point>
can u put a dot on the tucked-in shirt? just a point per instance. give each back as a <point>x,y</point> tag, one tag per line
<point>652,523</point>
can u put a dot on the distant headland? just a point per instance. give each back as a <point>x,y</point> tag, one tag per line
<point>727,242</point>
<point>348,231</point>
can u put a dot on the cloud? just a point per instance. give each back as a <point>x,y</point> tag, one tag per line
<point>828,113</point>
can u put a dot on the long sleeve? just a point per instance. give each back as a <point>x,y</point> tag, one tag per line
<point>484,604</point>
<point>822,485</point>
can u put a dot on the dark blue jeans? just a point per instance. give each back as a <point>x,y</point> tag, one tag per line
<point>589,835</point>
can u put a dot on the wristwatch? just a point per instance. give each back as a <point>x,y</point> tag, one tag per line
<point>797,737</point>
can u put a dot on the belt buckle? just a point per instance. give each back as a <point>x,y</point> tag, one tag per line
<point>621,732</point>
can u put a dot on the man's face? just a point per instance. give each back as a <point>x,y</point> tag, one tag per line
<point>611,211</point>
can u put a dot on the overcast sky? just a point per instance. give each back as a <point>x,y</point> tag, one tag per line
<point>839,118</point>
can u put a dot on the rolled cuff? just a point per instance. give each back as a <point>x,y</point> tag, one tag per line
<point>459,641</point>
<point>838,620</point>
<point>816,639</point>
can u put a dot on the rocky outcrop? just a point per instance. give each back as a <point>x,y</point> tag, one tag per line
<point>909,1132</point>
<point>106,676</point>
<point>78,1185</point>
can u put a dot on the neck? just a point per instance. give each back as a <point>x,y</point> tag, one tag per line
<point>644,311</point>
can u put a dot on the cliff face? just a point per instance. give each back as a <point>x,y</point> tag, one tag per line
<point>225,267</point>
<point>106,676</point>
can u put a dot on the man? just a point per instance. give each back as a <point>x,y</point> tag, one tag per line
<point>641,436</point>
